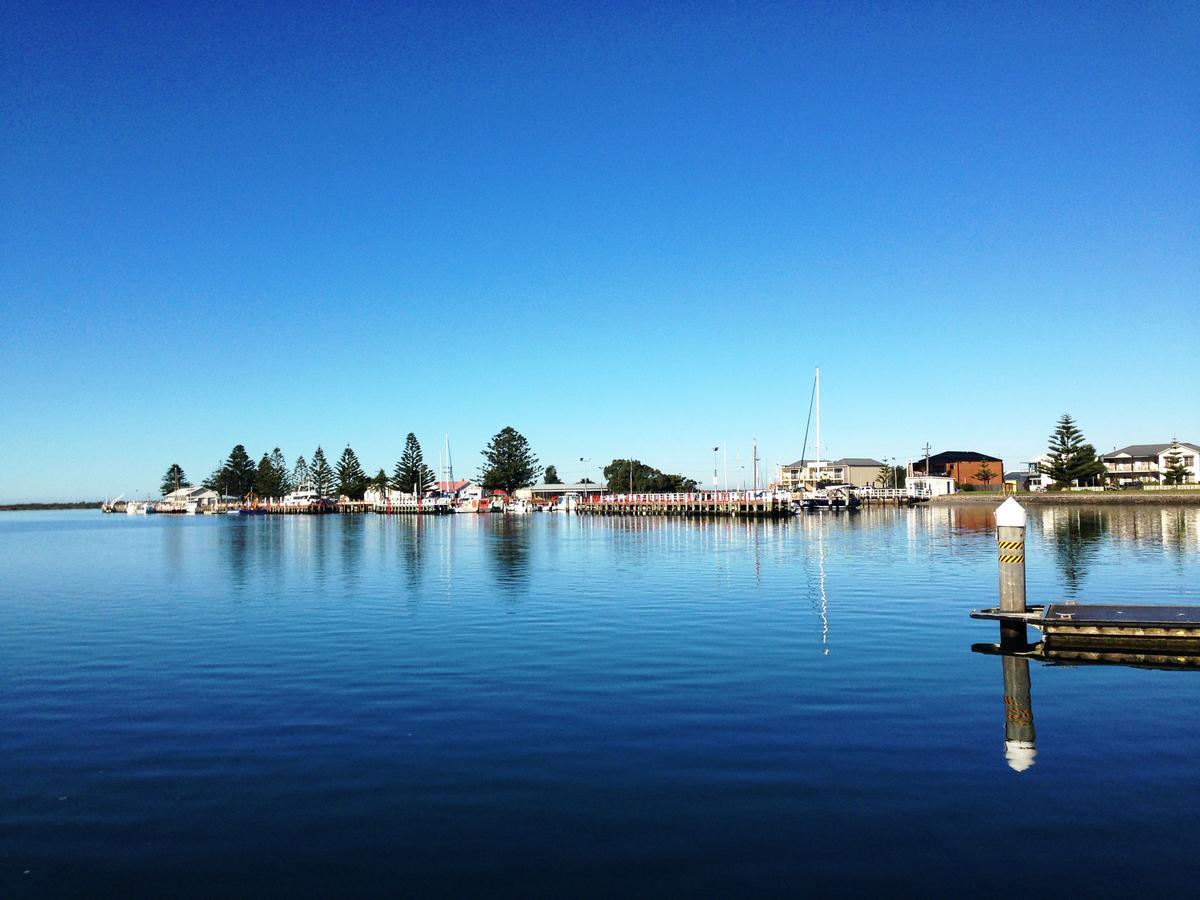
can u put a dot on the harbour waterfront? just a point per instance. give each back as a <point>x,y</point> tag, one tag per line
<point>580,705</point>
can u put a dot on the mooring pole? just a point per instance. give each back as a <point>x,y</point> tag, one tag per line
<point>1020,739</point>
<point>1010,551</point>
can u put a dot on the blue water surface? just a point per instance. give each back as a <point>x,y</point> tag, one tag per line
<point>565,706</point>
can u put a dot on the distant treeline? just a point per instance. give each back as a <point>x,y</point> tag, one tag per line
<point>24,507</point>
<point>509,464</point>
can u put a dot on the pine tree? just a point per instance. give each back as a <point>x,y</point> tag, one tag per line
<point>1175,472</point>
<point>320,476</point>
<point>1071,460</point>
<point>216,481</point>
<point>301,475</point>
<point>174,479</point>
<point>551,476</point>
<point>351,479</point>
<point>380,481</point>
<point>238,472</point>
<point>280,464</point>
<point>510,462</point>
<point>411,470</point>
<point>985,474</point>
<point>269,480</point>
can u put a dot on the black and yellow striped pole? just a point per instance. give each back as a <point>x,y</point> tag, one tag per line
<point>1010,553</point>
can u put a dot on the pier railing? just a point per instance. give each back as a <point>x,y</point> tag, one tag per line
<point>755,504</point>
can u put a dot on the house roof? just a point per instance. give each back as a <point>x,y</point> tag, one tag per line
<point>858,461</point>
<point>1141,450</point>
<point>577,488</point>
<point>188,493</point>
<point>451,485</point>
<point>845,461</point>
<point>954,456</point>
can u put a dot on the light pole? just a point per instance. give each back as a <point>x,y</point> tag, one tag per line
<point>585,460</point>
<point>715,451</point>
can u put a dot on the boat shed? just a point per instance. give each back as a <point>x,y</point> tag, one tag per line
<point>549,491</point>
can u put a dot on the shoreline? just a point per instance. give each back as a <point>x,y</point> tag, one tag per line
<point>33,507</point>
<point>1109,498</point>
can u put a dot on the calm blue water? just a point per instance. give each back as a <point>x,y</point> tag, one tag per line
<point>570,706</point>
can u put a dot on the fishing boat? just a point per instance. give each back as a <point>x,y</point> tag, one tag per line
<point>518,507</point>
<point>1127,625</point>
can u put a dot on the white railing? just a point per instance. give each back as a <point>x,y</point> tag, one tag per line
<point>695,497</point>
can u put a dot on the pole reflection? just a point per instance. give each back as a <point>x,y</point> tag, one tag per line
<point>1020,735</point>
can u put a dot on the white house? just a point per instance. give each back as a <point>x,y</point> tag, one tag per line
<point>188,499</point>
<point>1147,463</point>
<point>1038,480</point>
<point>930,485</point>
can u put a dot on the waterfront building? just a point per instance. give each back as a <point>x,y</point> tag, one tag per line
<point>1147,463</point>
<point>459,490</point>
<point>859,471</point>
<point>1035,479</point>
<point>930,486</point>
<point>189,499</point>
<point>550,491</point>
<point>963,466</point>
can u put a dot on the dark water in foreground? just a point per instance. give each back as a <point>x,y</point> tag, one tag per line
<point>570,706</point>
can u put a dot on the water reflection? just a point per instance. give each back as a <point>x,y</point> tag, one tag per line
<point>509,543</point>
<point>1020,736</point>
<point>350,543</point>
<point>412,545</point>
<point>1076,535</point>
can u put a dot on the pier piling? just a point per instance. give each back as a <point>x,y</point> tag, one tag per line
<point>1010,552</point>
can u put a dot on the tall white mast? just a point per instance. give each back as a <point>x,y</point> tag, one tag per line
<point>818,463</point>
<point>449,465</point>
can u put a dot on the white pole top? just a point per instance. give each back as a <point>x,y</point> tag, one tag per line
<point>1010,514</point>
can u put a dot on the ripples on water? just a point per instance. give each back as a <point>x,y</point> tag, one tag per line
<point>568,705</point>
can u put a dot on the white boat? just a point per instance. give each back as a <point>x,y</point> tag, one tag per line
<point>303,498</point>
<point>832,496</point>
<point>518,507</point>
<point>565,503</point>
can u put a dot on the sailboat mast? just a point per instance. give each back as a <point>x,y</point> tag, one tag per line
<point>818,464</point>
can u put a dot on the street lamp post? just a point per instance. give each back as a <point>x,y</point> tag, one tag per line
<point>585,460</point>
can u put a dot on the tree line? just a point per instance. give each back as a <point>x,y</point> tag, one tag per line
<point>508,464</point>
<point>238,475</point>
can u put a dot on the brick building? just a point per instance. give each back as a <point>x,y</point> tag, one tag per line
<point>963,466</point>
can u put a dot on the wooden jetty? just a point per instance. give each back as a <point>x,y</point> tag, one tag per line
<point>412,506</point>
<point>1077,624</point>
<point>1099,624</point>
<point>736,504</point>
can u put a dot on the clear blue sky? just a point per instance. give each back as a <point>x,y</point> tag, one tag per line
<point>622,229</point>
